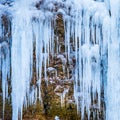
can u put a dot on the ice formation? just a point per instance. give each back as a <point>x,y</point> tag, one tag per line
<point>92,26</point>
<point>113,81</point>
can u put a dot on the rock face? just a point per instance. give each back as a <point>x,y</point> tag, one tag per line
<point>59,92</point>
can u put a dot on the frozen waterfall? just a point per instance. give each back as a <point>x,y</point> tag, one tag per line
<point>113,81</point>
<point>91,35</point>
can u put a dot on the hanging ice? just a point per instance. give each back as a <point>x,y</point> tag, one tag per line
<point>32,30</point>
<point>5,68</point>
<point>113,81</point>
<point>91,33</point>
<point>22,53</point>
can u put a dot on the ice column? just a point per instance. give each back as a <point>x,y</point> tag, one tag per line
<point>21,57</point>
<point>113,82</point>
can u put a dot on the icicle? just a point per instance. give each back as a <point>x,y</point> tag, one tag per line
<point>67,35</point>
<point>39,55</point>
<point>46,41</point>
<point>22,44</point>
<point>87,52</point>
<point>113,81</point>
<point>5,68</point>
